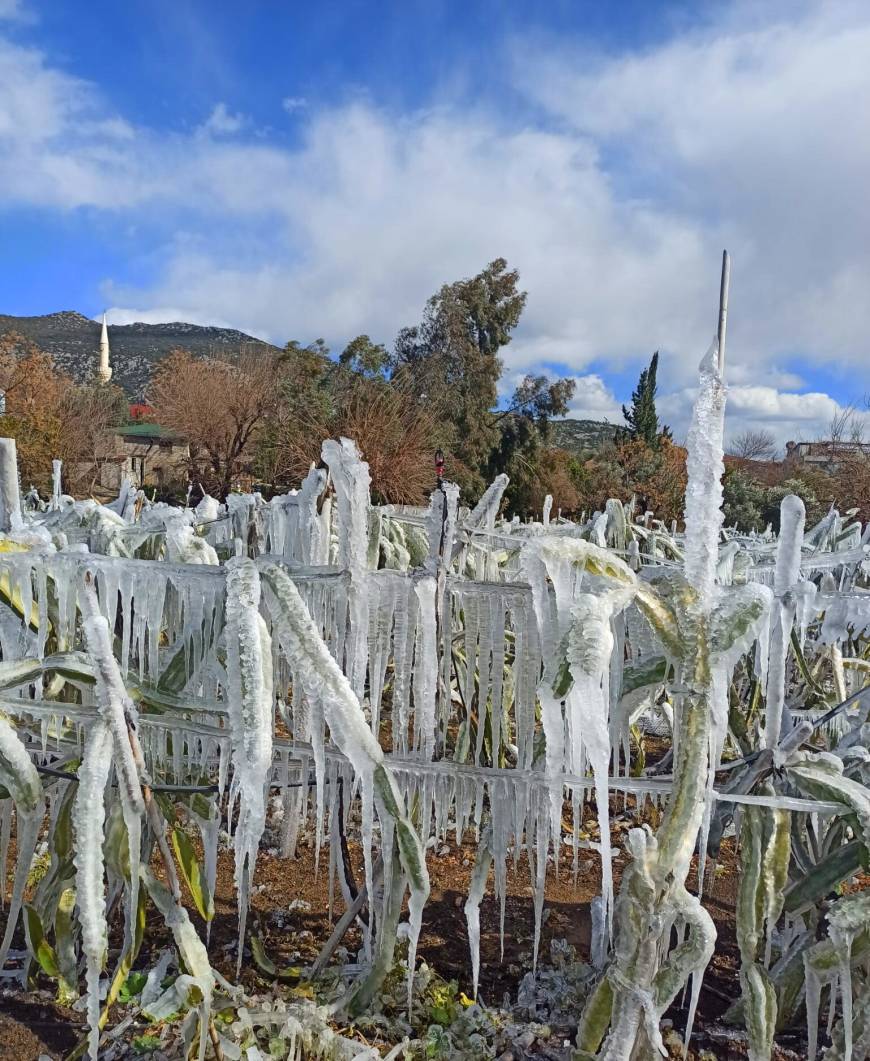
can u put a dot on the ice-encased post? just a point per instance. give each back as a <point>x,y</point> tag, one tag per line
<point>56,494</point>
<point>350,474</point>
<point>11,519</point>
<point>647,973</point>
<point>792,518</point>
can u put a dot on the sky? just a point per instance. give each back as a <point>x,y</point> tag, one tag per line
<point>302,171</point>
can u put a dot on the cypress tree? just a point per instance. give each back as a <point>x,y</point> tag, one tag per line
<point>641,416</point>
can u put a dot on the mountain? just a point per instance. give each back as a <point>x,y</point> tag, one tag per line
<point>73,341</point>
<point>581,436</point>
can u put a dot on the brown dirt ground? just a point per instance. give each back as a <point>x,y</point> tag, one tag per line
<point>31,1025</point>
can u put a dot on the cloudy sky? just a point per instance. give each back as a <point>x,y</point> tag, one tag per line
<point>319,170</point>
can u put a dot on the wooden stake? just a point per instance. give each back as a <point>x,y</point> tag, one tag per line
<point>723,308</point>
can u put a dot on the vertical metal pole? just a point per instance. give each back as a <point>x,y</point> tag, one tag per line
<point>723,308</point>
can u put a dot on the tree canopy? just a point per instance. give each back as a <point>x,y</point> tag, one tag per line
<point>641,416</point>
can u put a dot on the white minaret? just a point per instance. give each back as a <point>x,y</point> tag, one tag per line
<point>105,370</point>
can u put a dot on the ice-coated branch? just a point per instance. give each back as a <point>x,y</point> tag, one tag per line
<point>250,699</point>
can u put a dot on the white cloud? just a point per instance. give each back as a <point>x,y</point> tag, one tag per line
<point>786,415</point>
<point>291,104</point>
<point>14,11</point>
<point>755,130</point>
<point>163,315</point>
<point>221,122</point>
<point>594,400</point>
<point>613,195</point>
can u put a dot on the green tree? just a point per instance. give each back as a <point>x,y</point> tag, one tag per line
<point>743,501</point>
<point>365,358</point>
<point>451,362</point>
<point>641,416</point>
<point>524,432</point>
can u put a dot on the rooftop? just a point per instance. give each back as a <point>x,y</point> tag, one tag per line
<point>143,430</point>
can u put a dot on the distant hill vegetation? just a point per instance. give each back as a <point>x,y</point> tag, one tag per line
<point>73,342</point>
<point>581,436</point>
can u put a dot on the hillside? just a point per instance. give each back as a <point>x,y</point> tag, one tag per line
<point>581,436</point>
<point>73,342</point>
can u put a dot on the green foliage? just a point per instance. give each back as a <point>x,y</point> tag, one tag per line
<point>743,502</point>
<point>191,871</point>
<point>145,1044</point>
<point>132,986</point>
<point>750,506</point>
<point>365,358</point>
<point>451,361</point>
<point>641,416</point>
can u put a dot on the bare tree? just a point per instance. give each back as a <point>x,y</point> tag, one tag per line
<point>846,428</point>
<point>50,416</point>
<point>219,406</point>
<point>393,431</point>
<point>754,445</point>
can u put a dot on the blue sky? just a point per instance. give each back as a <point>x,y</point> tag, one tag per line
<point>306,170</point>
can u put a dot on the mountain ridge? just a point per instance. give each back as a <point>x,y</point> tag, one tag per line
<point>73,341</point>
<point>579,436</point>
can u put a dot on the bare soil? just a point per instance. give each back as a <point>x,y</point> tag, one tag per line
<point>31,1024</point>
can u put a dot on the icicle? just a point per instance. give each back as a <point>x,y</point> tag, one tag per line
<point>11,520</point>
<point>323,681</point>
<point>118,712</point>
<point>56,494</point>
<point>788,559</point>
<point>20,778</point>
<point>476,891</point>
<point>548,508</point>
<point>249,708</point>
<point>351,477</point>
<point>426,667</point>
<point>88,821</point>
<point>705,467</point>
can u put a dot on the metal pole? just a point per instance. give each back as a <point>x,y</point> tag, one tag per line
<point>723,308</point>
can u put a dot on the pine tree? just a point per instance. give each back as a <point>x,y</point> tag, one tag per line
<point>641,416</point>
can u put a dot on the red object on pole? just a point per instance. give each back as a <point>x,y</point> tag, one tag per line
<point>439,465</point>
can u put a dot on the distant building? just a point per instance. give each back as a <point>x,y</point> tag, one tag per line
<point>104,371</point>
<point>141,451</point>
<point>826,455</point>
<point>147,454</point>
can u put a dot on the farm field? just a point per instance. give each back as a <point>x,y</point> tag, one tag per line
<point>317,777</point>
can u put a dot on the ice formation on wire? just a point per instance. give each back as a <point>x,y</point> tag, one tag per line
<point>250,698</point>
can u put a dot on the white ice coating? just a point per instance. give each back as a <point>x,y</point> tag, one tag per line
<point>476,892</point>
<point>19,777</point>
<point>441,520</point>
<point>118,712</point>
<point>161,610</point>
<point>584,619</point>
<point>200,974</point>
<point>313,532</point>
<point>704,518</point>
<point>324,683</point>
<point>548,508</point>
<point>786,576</point>
<point>11,519</point>
<point>483,515</point>
<point>426,667</point>
<point>705,467</point>
<point>56,492</point>
<point>350,474</point>
<point>208,509</point>
<point>590,646</point>
<point>184,546</point>
<point>88,818</point>
<point>250,698</point>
